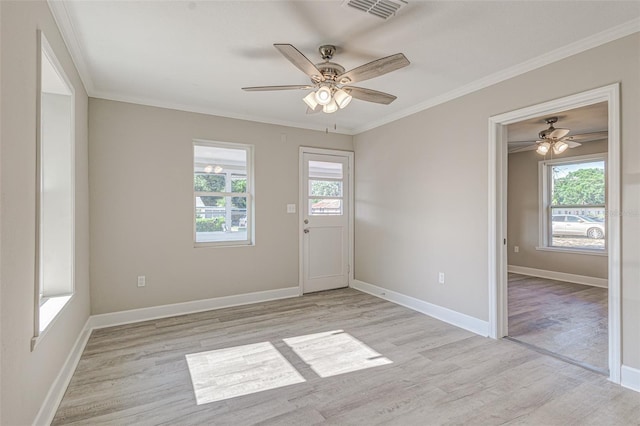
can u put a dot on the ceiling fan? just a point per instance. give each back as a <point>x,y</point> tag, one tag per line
<point>556,140</point>
<point>330,84</point>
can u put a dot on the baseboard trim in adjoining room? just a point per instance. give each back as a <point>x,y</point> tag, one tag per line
<point>58,388</point>
<point>630,378</point>
<point>558,276</point>
<point>449,316</point>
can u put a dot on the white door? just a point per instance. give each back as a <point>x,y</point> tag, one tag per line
<point>325,223</point>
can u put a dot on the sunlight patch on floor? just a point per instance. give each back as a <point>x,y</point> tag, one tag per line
<point>242,370</point>
<point>335,352</point>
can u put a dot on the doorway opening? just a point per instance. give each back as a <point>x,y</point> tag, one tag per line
<point>545,278</point>
<point>556,227</point>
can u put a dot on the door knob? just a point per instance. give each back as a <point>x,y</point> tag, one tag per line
<point>306,221</point>
<point>306,230</point>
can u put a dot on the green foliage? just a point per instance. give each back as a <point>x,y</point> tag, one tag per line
<point>582,186</point>
<point>239,185</point>
<point>209,183</point>
<point>209,224</point>
<point>326,188</point>
<point>216,183</point>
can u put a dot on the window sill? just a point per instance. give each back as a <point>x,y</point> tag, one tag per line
<point>221,244</point>
<point>49,311</point>
<point>573,251</point>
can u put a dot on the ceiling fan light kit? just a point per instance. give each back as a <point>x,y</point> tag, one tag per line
<point>330,83</point>
<point>543,148</point>
<point>342,98</point>
<point>331,107</point>
<point>323,95</point>
<point>554,139</point>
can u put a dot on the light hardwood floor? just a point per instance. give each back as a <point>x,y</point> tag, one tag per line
<point>564,318</point>
<point>438,374</point>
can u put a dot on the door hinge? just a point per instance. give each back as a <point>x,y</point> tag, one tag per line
<point>505,242</point>
<point>348,269</point>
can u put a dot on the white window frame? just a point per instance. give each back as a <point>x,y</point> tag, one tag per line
<point>47,306</point>
<point>249,194</point>
<point>544,203</point>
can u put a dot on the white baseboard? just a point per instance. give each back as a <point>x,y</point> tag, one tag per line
<point>458,319</point>
<point>164,311</point>
<point>630,378</point>
<point>59,386</point>
<point>559,276</point>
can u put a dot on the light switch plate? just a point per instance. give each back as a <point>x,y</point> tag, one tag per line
<point>291,208</point>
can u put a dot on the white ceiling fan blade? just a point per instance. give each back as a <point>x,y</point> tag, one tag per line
<point>573,144</point>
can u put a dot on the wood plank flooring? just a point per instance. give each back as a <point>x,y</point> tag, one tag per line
<point>439,374</point>
<point>564,318</point>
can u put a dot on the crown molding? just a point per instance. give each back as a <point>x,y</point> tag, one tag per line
<point>595,40</point>
<point>74,45</point>
<point>212,111</point>
<point>72,41</point>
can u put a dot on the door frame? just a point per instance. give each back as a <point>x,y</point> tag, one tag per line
<point>349,155</point>
<point>497,230</point>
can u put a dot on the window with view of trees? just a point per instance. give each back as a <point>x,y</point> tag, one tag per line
<point>573,207</point>
<point>222,193</point>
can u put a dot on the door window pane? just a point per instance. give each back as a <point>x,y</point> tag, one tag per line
<point>324,169</point>
<point>325,188</point>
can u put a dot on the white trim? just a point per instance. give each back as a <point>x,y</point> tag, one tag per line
<point>556,55</point>
<point>301,201</point>
<point>449,316</point>
<point>544,196</point>
<point>59,387</point>
<point>249,194</point>
<point>630,378</point>
<point>497,222</point>
<point>72,41</point>
<point>45,50</point>
<point>156,103</point>
<point>164,311</point>
<point>559,276</point>
<point>588,252</point>
<point>74,45</point>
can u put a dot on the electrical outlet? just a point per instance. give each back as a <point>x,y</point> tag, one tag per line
<point>441,277</point>
<point>516,249</point>
<point>142,281</point>
<point>291,208</point>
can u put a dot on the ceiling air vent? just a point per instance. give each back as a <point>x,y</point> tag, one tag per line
<point>381,8</point>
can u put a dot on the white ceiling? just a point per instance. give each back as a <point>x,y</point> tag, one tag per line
<point>196,55</point>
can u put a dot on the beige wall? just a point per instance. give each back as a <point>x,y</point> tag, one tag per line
<point>27,376</point>
<point>421,187</point>
<point>141,178</point>
<point>523,218</point>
